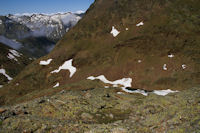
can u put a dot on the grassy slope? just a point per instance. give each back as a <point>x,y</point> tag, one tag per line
<point>11,66</point>
<point>169,27</point>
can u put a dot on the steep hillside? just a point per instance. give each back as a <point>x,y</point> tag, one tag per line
<point>11,63</point>
<point>154,45</point>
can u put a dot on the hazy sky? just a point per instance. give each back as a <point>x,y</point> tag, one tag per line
<point>42,6</point>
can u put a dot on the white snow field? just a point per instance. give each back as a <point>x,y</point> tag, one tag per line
<point>124,83</point>
<point>165,67</point>
<point>140,24</point>
<point>114,31</point>
<point>57,85</point>
<point>163,92</point>
<point>170,55</point>
<point>184,66</point>
<point>44,63</point>
<point>66,66</point>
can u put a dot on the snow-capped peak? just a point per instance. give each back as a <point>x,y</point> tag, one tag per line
<point>49,25</point>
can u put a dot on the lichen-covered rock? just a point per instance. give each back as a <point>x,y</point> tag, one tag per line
<point>105,111</point>
<point>86,116</point>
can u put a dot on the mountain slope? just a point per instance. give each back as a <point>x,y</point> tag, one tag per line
<point>12,63</point>
<point>157,47</point>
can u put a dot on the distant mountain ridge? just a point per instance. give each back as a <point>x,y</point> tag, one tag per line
<point>36,34</point>
<point>53,26</point>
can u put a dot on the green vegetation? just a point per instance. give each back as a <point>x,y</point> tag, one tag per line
<point>104,111</point>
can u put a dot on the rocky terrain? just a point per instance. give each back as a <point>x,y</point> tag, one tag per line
<point>101,110</point>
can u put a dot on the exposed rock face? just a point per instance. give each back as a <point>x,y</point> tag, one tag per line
<point>71,111</point>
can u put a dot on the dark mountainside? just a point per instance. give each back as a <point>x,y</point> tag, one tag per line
<point>36,46</point>
<point>12,62</point>
<point>158,47</point>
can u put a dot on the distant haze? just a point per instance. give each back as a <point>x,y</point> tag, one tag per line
<point>11,43</point>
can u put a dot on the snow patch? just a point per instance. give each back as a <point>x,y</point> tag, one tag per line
<point>15,53</point>
<point>184,66</point>
<point>44,63</point>
<point>140,24</point>
<point>135,91</point>
<point>165,67</point>
<point>157,92</point>
<point>3,71</point>
<point>11,57</point>
<point>57,85</point>
<point>163,92</point>
<point>125,82</point>
<point>171,56</point>
<point>67,29</point>
<point>66,66</point>
<point>1,21</point>
<point>1,86</point>
<point>114,31</point>
<point>120,93</point>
